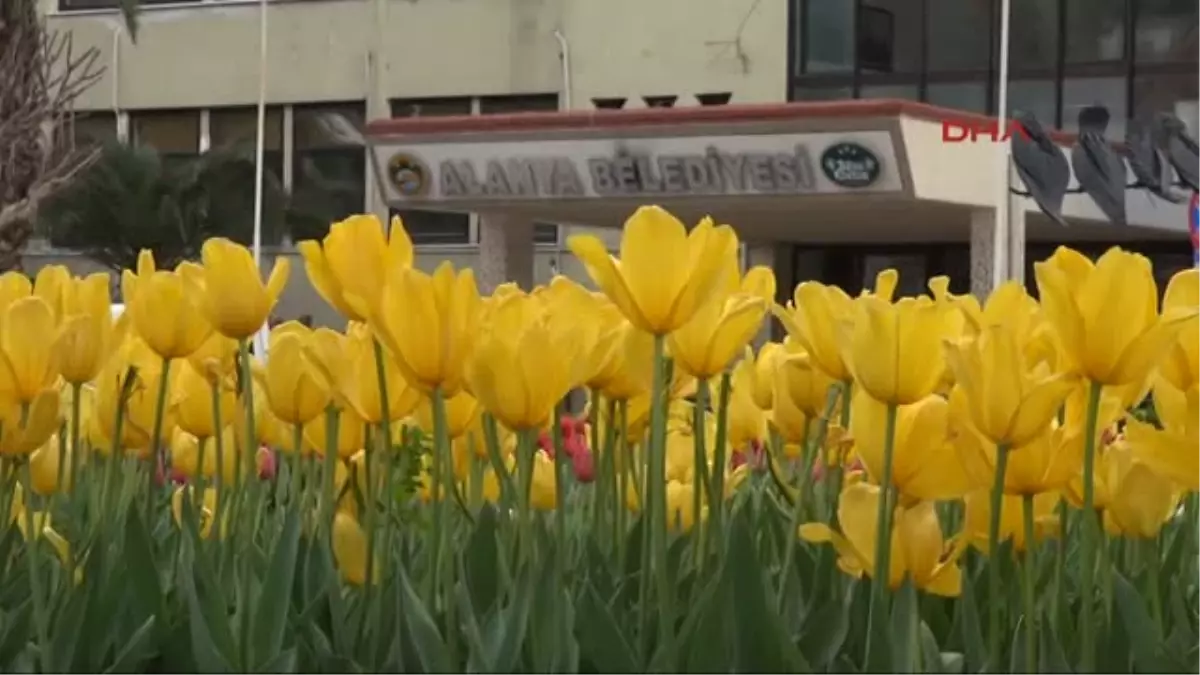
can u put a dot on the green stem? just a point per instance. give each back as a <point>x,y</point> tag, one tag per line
<point>1153,587</point>
<point>443,451</point>
<point>73,476</point>
<point>994,604</point>
<point>296,465</point>
<point>562,464</point>
<point>34,568</point>
<point>156,455</point>
<point>656,495</point>
<point>1089,541</point>
<point>716,510</point>
<point>600,492</point>
<point>621,476</point>
<point>249,499</point>
<point>525,449</point>
<point>1028,579</point>
<point>219,448</point>
<point>701,480</point>
<point>877,610</point>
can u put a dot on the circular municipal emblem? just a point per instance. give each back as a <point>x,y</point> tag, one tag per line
<point>408,175</point>
<point>850,165</point>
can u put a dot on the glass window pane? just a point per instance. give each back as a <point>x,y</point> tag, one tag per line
<point>435,227</point>
<point>1166,31</point>
<point>1033,96</point>
<point>328,167</point>
<point>804,92</point>
<point>912,269</point>
<point>1079,93</point>
<point>829,44</point>
<point>1166,93</point>
<point>170,132</point>
<point>958,35</point>
<point>239,126</point>
<point>1033,38</point>
<point>93,128</point>
<point>891,35</point>
<point>545,233</point>
<point>431,107</point>
<point>970,96</point>
<point>499,105</point>
<point>1095,30</point>
<point>908,92</point>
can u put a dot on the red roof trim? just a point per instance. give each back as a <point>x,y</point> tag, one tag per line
<point>645,117</point>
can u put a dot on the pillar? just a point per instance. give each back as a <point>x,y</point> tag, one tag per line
<point>505,251</point>
<point>778,257</point>
<point>983,223</point>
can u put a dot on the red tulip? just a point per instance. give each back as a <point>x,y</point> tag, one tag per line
<point>266,463</point>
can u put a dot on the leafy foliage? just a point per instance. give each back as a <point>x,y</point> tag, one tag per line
<point>132,198</point>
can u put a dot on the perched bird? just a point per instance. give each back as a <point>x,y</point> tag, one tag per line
<point>1041,165</point>
<point>1148,162</point>
<point>1098,168</point>
<point>1180,149</point>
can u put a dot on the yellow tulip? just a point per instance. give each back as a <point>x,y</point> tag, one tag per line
<point>42,526</point>
<point>722,327</point>
<point>918,550</point>
<point>185,454</point>
<point>895,350</point>
<point>813,318</point>
<point>350,549</point>
<point>1135,500</point>
<point>294,388</point>
<point>163,309</point>
<point>28,360</point>
<point>13,287</point>
<point>664,274</point>
<point>680,506</point>
<point>977,519</point>
<point>207,507</point>
<point>542,495</point>
<point>349,266</point>
<point>216,357</point>
<point>925,464</point>
<point>350,433</point>
<point>234,298</point>
<point>681,456</point>
<point>361,380</point>
<point>522,365</point>
<point>800,395</point>
<point>429,323</point>
<point>747,422</point>
<point>1105,345</point>
<point>23,431</point>
<point>138,412</point>
<point>462,414</point>
<point>52,285</point>
<point>193,401</point>
<point>87,335</point>
<point>1171,451</point>
<point>44,467</point>
<point>1181,367</point>
<point>1009,403</point>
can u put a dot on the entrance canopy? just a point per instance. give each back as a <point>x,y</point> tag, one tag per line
<point>851,171</point>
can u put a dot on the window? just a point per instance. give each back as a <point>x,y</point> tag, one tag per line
<point>957,35</point>
<point>237,129</point>
<point>434,227</point>
<point>517,103</point>
<point>659,101</point>
<point>1033,38</point>
<point>431,107</point>
<point>74,5</point>
<point>1165,31</point>
<point>828,42</point>
<point>716,98</point>
<point>608,103</point>
<point>545,233</point>
<point>328,166</point>
<point>93,128</point>
<point>908,92</point>
<point>1095,31</point>
<point>805,92</point>
<point>970,96</point>
<point>891,36</point>
<point>1033,96</point>
<point>175,134</point>
<point>1166,93</point>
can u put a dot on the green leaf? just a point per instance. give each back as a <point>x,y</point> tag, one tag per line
<point>505,631</point>
<point>481,561</point>
<point>274,600</point>
<point>825,631</point>
<point>905,627</point>
<point>284,662</point>
<point>760,644</point>
<point>140,567</point>
<point>208,656</point>
<point>18,626</point>
<point>970,630</point>
<point>601,639</point>
<point>431,649</point>
<point>137,650</point>
<point>65,640</point>
<point>1144,641</point>
<point>478,657</point>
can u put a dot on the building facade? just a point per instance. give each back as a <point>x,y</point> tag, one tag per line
<point>190,82</point>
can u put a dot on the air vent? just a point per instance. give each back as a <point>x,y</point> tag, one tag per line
<point>716,98</point>
<point>659,101</point>
<point>608,103</point>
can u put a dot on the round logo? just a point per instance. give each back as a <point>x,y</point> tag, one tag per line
<point>850,165</point>
<point>408,174</point>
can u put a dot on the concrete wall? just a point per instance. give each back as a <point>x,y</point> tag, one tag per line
<point>206,53</point>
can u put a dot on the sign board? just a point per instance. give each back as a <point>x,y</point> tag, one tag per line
<point>676,167</point>
<point>1194,227</point>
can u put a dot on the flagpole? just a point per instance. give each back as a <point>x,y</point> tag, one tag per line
<point>1001,233</point>
<point>260,338</point>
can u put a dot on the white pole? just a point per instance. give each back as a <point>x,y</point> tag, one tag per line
<point>1000,234</point>
<point>260,338</point>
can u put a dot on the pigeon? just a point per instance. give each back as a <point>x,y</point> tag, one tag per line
<point>1180,149</point>
<point>1149,164</point>
<point>1098,168</point>
<point>1041,165</point>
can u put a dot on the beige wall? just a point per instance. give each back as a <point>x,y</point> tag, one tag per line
<point>320,50</point>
